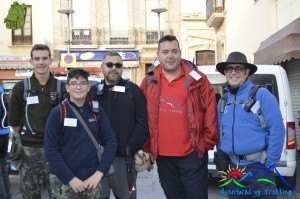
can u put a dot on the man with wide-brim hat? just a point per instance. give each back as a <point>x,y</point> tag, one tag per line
<point>236,58</point>
<point>251,128</point>
<point>236,69</point>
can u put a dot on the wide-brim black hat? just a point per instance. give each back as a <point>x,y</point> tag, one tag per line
<point>236,58</point>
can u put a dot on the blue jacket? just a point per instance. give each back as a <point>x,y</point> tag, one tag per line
<point>3,131</point>
<point>70,151</point>
<point>242,131</point>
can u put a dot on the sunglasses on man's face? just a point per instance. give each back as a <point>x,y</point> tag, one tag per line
<point>111,65</point>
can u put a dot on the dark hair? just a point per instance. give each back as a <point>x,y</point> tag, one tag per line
<point>167,38</point>
<point>111,54</point>
<point>77,72</point>
<point>40,47</point>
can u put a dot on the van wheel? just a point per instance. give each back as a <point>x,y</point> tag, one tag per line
<point>291,180</point>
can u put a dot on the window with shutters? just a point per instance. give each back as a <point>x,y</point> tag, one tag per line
<point>23,36</point>
<point>205,57</point>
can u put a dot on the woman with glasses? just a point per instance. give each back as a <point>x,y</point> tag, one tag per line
<point>251,131</point>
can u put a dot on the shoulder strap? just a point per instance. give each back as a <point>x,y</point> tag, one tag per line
<point>94,106</point>
<point>4,109</point>
<point>223,102</point>
<point>26,93</point>
<point>62,112</point>
<point>58,88</point>
<point>149,78</point>
<point>87,129</point>
<point>129,91</point>
<point>27,88</point>
<point>252,94</point>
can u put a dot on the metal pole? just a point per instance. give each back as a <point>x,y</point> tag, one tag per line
<point>68,34</point>
<point>159,35</point>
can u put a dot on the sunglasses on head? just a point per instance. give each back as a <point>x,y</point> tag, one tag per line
<point>111,65</point>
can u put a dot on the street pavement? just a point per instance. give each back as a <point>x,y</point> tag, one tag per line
<point>149,187</point>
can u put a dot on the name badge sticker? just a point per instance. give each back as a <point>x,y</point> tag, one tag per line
<point>32,100</point>
<point>119,89</point>
<point>72,122</point>
<point>255,107</point>
<point>195,75</point>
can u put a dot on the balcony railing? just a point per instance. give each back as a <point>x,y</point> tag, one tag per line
<point>152,34</point>
<point>214,12</point>
<point>81,36</point>
<point>117,36</point>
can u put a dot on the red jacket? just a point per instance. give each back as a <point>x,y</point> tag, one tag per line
<point>201,108</point>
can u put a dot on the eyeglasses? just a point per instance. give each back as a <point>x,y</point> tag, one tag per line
<point>237,69</point>
<point>75,85</point>
<point>111,65</point>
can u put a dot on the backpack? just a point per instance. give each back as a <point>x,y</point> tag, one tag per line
<point>55,96</point>
<point>4,104</point>
<point>63,113</point>
<point>16,16</point>
<point>128,91</point>
<point>248,103</point>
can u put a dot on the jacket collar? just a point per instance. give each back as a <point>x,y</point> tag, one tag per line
<point>243,86</point>
<point>186,66</point>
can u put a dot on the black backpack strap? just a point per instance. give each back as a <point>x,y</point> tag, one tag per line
<point>253,91</point>
<point>252,96</point>
<point>27,88</point>
<point>58,89</point>
<point>149,79</point>
<point>94,106</point>
<point>224,99</point>
<point>129,91</point>
<point>62,115</point>
<point>26,93</point>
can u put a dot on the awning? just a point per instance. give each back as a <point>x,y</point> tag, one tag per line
<point>61,70</point>
<point>281,46</point>
<point>15,64</point>
<point>9,74</point>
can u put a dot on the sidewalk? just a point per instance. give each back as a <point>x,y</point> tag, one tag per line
<point>148,186</point>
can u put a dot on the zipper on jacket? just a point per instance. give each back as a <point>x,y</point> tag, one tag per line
<point>233,122</point>
<point>108,105</point>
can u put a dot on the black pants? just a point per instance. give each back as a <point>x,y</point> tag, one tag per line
<point>183,177</point>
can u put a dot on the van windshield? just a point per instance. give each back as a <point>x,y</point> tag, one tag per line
<point>266,80</point>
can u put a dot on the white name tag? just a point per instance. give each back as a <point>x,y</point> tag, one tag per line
<point>119,89</point>
<point>72,122</point>
<point>95,104</point>
<point>255,107</point>
<point>195,75</point>
<point>32,100</point>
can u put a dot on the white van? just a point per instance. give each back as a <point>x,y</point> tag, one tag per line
<point>274,78</point>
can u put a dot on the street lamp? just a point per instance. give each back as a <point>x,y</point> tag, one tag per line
<point>159,9</point>
<point>67,10</point>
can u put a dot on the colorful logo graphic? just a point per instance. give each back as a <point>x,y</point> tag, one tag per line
<point>236,176</point>
<point>231,182</point>
<point>16,16</point>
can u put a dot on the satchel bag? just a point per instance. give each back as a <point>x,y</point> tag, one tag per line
<point>99,147</point>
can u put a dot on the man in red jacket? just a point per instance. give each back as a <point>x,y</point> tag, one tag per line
<point>182,120</point>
